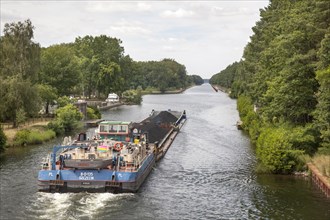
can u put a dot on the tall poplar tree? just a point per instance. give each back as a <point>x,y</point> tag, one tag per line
<point>19,62</point>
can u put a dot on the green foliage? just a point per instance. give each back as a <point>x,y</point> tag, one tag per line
<point>20,116</point>
<point>195,80</point>
<point>92,66</point>
<point>133,96</point>
<point>91,114</point>
<point>103,66</point>
<point>68,117</point>
<point>63,101</point>
<point>250,119</point>
<point>225,78</point>
<point>34,136</point>
<point>19,54</point>
<point>60,69</point>
<point>285,72</point>
<point>322,112</point>
<point>291,94</point>
<point>19,66</point>
<point>274,150</point>
<point>18,95</point>
<point>47,94</point>
<point>3,140</point>
<point>21,138</point>
<point>161,75</point>
<point>57,127</point>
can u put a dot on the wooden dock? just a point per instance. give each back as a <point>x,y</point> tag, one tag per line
<point>319,179</point>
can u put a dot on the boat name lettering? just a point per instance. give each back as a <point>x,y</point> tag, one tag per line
<point>86,176</point>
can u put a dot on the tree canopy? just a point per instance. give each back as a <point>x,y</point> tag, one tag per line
<point>284,71</point>
<point>20,63</point>
<point>32,77</point>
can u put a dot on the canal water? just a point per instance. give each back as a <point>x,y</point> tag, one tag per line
<point>208,173</point>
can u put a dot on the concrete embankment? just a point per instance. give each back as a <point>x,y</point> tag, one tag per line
<point>319,179</point>
<point>104,105</point>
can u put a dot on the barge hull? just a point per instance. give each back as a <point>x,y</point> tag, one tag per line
<point>94,180</point>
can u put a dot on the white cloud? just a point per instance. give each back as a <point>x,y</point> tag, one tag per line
<point>214,31</point>
<point>143,6</point>
<point>168,48</point>
<point>180,13</point>
<point>110,6</point>
<point>128,28</point>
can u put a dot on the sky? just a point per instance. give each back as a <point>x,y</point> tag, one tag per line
<point>205,36</point>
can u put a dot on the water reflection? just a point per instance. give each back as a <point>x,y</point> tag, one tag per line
<point>208,173</point>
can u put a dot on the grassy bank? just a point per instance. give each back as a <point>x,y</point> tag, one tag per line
<point>36,134</point>
<point>322,163</point>
<point>11,132</point>
<point>154,91</point>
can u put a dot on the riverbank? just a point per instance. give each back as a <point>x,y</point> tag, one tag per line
<point>320,179</point>
<point>222,89</point>
<point>158,92</point>
<point>321,163</point>
<point>11,132</point>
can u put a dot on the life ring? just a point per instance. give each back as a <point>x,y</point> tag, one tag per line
<point>118,146</point>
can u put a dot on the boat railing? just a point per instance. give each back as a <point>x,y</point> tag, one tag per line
<point>166,137</point>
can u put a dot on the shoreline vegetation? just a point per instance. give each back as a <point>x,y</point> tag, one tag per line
<point>36,131</point>
<point>320,162</point>
<point>36,80</point>
<point>282,87</point>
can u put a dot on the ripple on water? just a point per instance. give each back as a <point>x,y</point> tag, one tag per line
<point>206,174</point>
<point>72,205</point>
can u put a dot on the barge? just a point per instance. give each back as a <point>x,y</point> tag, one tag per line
<point>117,159</point>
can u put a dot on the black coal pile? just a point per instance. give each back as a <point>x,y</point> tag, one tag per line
<point>156,126</point>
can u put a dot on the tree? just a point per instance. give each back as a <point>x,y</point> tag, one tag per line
<point>101,58</point>
<point>3,140</point>
<point>285,74</point>
<point>47,94</point>
<point>68,117</point>
<point>322,112</point>
<point>291,94</point>
<point>60,69</point>
<point>18,95</point>
<point>195,79</point>
<point>20,56</point>
<point>19,64</point>
<point>109,79</point>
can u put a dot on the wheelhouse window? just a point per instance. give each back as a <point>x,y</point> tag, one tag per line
<point>114,128</point>
<point>104,128</point>
<point>123,128</point>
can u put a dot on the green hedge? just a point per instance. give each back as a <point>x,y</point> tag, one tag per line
<point>25,136</point>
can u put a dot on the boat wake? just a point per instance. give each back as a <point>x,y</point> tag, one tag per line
<point>72,205</point>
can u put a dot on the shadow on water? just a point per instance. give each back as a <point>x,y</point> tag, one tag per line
<point>208,173</point>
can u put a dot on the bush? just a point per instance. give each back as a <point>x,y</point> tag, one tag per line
<point>56,127</point>
<point>275,152</point>
<point>133,96</point>
<point>25,137</point>
<point>68,118</point>
<point>3,140</point>
<point>251,122</point>
<point>65,100</point>
<point>93,113</point>
<point>21,138</point>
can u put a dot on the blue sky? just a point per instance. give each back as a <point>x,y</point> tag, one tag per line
<point>205,36</point>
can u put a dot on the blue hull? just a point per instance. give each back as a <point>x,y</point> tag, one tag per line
<point>95,180</point>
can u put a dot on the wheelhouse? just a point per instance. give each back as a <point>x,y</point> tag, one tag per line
<point>116,130</point>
